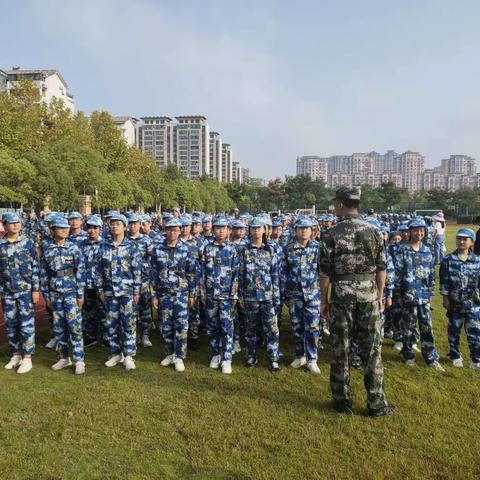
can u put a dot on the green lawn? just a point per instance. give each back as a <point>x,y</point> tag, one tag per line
<point>154,423</point>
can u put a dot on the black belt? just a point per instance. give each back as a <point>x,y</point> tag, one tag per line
<point>64,273</point>
<point>358,277</point>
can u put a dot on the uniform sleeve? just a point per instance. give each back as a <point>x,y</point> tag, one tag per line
<point>154,272</point>
<point>35,268</point>
<point>326,265</point>
<point>44,278</point>
<point>192,270</point>
<point>80,273</point>
<point>241,274</point>
<point>431,277</point>
<point>399,270</point>
<point>381,260</point>
<point>275,274</point>
<point>136,269</point>
<point>235,273</point>
<point>444,277</point>
<point>390,275</point>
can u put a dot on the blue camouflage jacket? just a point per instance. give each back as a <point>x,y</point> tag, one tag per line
<point>78,238</point>
<point>62,270</point>
<point>301,271</point>
<point>220,265</point>
<point>414,274</point>
<point>175,269</point>
<point>19,268</point>
<point>146,248</point>
<point>91,254</point>
<point>460,281</point>
<point>120,268</point>
<point>259,274</point>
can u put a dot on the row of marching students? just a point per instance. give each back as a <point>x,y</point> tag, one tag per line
<point>117,276</point>
<point>409,312</point>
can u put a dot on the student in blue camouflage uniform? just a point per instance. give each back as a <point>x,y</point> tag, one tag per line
<point>415,280</point>
<point>460,288</point>
<point>93,312</point>
<point>207,232</point>
<point>19,292</point>
<point>302,293</point>
<point>220,264</point>
<point>174,276</point>
<point>147,228</point>
<point>76,234</point>
<point>63,284</point>
<point>120,281</point>
<point>259,293</point>
<point>144,308</point>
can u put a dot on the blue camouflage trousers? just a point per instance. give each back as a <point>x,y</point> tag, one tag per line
<point>471,322</point>
<point>305,317</point>
<point>67,325</point>
<point>121,325</point>
<point>144,312</point>
<point>263,312</point>
<point>421,314</point>
<point>20,321</point>
<point>220,315</point>
<point>173,309</point>
<point>93,314</point>
<point>194,321</point>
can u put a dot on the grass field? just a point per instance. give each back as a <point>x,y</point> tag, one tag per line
<point>153,423</point>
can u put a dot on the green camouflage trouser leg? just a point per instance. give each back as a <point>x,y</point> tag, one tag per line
<point>365,319</point>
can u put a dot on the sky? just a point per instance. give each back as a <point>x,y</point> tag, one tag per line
<point>276,79</point>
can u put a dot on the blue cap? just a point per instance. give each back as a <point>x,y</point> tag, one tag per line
<point>257,222</point>
<point>117,216</point>
<point>11,217</point>
<point>303,222</point>
<point>110,213</point>
<point>175,209</point>
<point>185,219</point>
<point>375,223</point>
<point>166,215</point>
<point>173,222</point>
<point>466,232</point>
<point>146,218</point>
<point>196,219</point>
<point>277,223</point>
<point>60,222</point>
<point>94,220</point>
<point>403,227</point>
<point>207,218</point>
<point>238,224</point>
<point>220,221</point>
<point>74,215</point>
<point>417,223</point>
<point>134,217</point>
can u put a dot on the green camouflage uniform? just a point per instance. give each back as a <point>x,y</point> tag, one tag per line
<point>351,253</point>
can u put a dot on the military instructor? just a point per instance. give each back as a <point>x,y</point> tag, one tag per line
<point>352,262</point>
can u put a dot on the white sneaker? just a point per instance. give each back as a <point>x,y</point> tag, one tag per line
<point>227,367</point>
<point>114,360</point>
<point>458,362</point>
<point>52,343</point>
<point>79,368</point>
<point>475,365</point>
<point>415,348</point>
<point>129,363</point>
<point>14,362</point>
<point>299,362</point>
<point>410,363</point>
<point>215,361</point>
<point>146,341</point>
<point>437,367</point>
<point>398,346</point>
<point>236,347</point>
<point>313,367</point>
<point>179,365</point>
<point>168,360</point>
<point>326,331</point>
<point>25,365</point>
<point>62,363</point>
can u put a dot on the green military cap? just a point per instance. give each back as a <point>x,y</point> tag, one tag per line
<point>348,193</point>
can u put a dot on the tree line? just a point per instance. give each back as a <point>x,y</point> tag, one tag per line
<point>48,152</point>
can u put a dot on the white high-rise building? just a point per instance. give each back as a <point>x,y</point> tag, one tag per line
<point>191,145</point>
<point>50,83</point>
<point>237,172</point>
<point>155,138</point>
<point>459,165</point>
<point>3,80</point>
<point>313,166</point>
<point>216,156</point>
<point>412,166</point>
<point>227,160</point>
<point>129,128</point>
